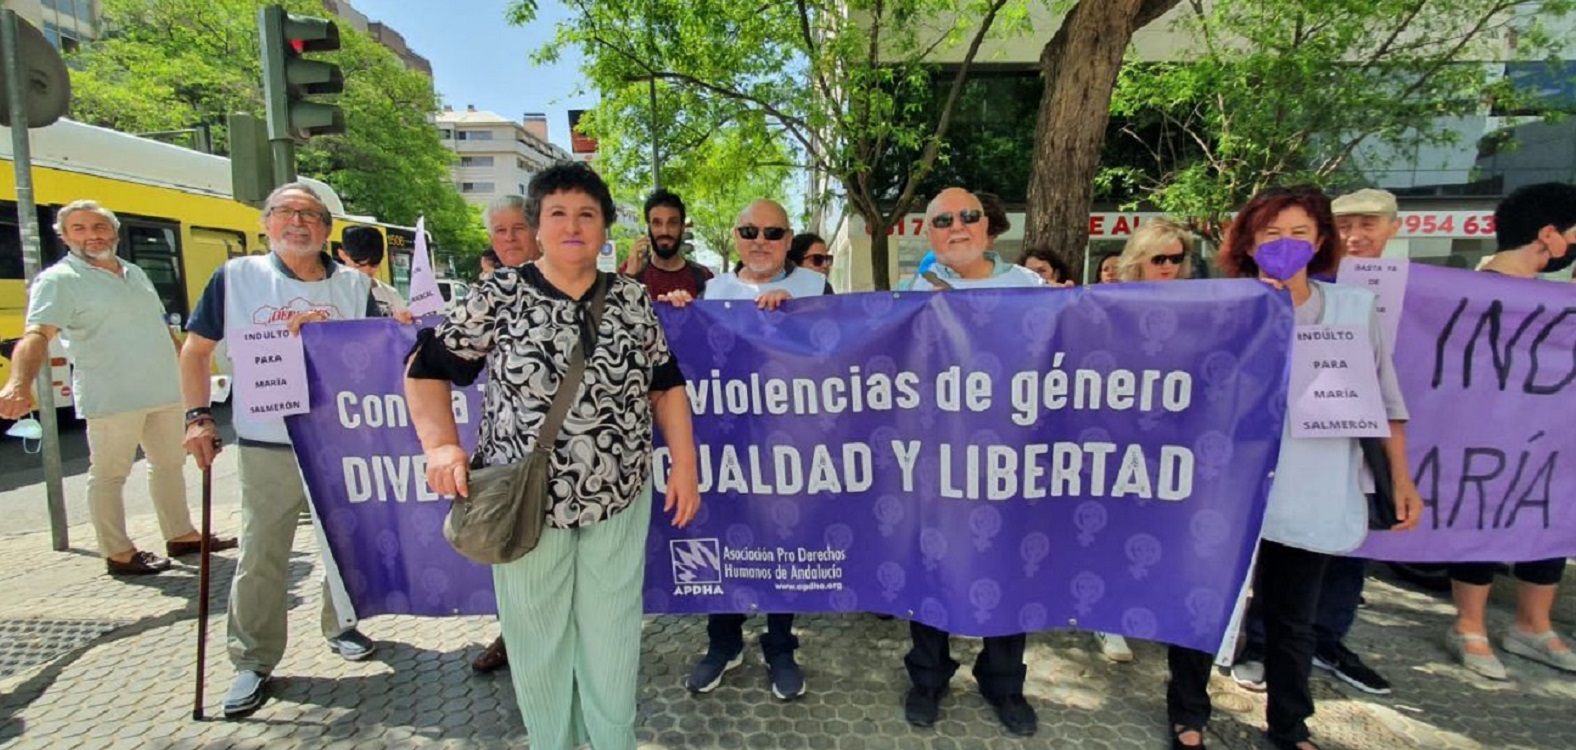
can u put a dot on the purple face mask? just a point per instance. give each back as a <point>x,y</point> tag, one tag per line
<point>1281,259</point>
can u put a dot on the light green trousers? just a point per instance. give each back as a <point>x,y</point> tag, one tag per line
<point>571,615</point>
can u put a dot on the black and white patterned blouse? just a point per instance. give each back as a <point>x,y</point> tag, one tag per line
<point>524,329</point>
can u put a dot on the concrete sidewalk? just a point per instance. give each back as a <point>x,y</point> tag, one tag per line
<point>87,661</point>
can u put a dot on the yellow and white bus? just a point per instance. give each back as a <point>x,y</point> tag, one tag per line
<point>179,221</point>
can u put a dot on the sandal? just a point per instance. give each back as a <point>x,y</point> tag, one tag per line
<point>492,659</point>
<point>1487,665</point>
<point>1177,730</point>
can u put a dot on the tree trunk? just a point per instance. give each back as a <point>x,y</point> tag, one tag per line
<point>880,252</point>
<point>1079,64</point>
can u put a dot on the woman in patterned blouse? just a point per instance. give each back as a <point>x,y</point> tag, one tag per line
<point>571,608</point>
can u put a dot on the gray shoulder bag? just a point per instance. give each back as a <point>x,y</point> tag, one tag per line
<point>503,518</point>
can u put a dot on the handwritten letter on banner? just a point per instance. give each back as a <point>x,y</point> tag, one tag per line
<point>1488,367</point>
<point>988,462</point>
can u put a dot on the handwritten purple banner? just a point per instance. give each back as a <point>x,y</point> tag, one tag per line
<point>1487,364</point>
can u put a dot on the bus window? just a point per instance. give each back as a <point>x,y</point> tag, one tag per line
<point>155,248</point>
<point>50,247</point>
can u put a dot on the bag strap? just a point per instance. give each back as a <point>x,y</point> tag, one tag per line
<point>570,385</point>
<point>937,281</point>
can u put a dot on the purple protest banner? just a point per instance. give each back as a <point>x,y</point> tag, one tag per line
<point>988,462</point>
<point>985,462</point>
<point>366,475</point>
<point>1485,363</point>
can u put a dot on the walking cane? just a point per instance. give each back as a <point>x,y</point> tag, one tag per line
<point>202,588</point>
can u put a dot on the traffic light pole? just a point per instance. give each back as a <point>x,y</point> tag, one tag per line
<point>284,161</point>
<point>27,220</point>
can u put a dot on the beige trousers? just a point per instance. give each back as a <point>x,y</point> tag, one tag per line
<point>272,499</point>
<point>112,449</point>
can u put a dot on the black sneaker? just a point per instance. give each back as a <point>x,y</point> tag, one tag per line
<point>787,681</point>
<point>1016,715</point>
<point>1346,666</point>
<point>709,670</point>
<point>922,706</point>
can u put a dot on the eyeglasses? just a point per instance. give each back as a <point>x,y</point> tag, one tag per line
<point>1175,259</point>
<point>306,216</point>
<point>750,232</point>
<point>819,259</point>
<point>968,215</point>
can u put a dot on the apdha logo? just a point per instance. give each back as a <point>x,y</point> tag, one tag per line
<point>697,567</point>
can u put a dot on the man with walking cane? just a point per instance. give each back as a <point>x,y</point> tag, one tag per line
<point>296,281</point>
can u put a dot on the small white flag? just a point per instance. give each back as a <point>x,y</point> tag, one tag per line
<point>424,297</point>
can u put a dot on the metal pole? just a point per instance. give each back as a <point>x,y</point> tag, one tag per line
<point>27,219</point>
<point>284,160</point>
<point>204,571</point>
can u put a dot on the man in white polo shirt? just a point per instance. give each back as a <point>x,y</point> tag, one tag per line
<point>125,382</point>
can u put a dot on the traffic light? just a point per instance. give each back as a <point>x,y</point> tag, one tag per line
<point>288,78</point>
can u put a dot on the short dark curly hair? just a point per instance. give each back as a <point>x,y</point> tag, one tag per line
<point>568,177</point>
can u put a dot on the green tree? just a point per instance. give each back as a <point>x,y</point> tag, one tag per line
<point>175,63</point>
<point>842,84</point>
<point>715,168</point>
<point>1304,91</point>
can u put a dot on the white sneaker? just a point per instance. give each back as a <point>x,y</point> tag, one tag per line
<point>1114,647</point>
<point>1249,675</point>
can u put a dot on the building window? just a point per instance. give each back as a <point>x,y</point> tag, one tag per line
<point>50,4</point>
<point>445,134</point>
<point>476,187</point>
<point>476,161</point>
<point>473,135</point>
<point>520,163</point>
<point>83,9</point>
<point>522,188</point>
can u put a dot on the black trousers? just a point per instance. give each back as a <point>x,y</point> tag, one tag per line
<point>999,669</point>
<point>1286,589</point>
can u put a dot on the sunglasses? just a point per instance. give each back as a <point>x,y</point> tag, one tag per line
<point>1174,259</point>
<point>750,232</point>
<point>818,260</point>
<point>968,215</point>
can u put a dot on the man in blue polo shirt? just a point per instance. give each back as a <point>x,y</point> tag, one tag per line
<point>124,381</point>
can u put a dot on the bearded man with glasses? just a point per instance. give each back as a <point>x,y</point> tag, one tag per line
<point>294,283</point>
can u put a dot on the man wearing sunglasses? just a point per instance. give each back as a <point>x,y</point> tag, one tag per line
<point>761,236</point>
<point>956,228</point>
<point>125,382</point>
<point>658,260</point>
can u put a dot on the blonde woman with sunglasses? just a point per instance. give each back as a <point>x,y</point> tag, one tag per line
<point>1161,250</point>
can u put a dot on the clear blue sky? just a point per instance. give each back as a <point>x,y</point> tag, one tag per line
<point>479,59</point>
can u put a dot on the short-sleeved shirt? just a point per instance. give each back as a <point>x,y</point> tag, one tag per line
<point>691,278</point>
<point>207,319</point>
<point>524,330</point>
<point>113,327</point>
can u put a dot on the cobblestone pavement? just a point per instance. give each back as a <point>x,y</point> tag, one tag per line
<point>102,663</point>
